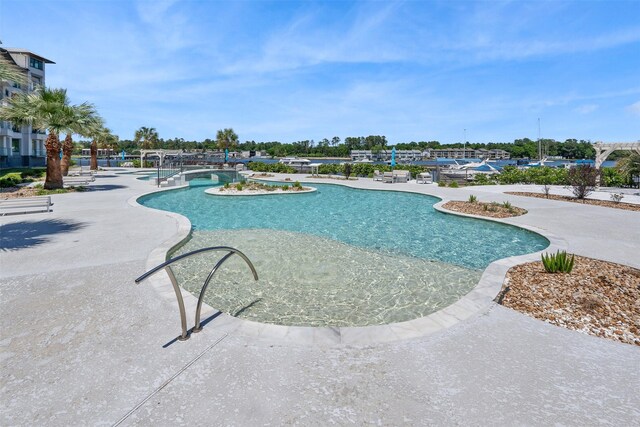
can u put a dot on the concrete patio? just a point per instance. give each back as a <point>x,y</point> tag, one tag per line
<point>82,345</point>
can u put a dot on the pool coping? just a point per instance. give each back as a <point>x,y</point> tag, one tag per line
<point>479,300</point>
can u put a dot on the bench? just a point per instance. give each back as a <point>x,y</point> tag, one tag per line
<point>25,205</point>
<point>73,181</point>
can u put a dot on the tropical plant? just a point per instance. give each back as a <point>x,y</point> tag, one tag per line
<point>146,138</point>
<point>442,184</point>
<point>99,136</point>
<point>558,262</point>
<point>453,184</point>
<point>630,166</point>
<point>507,205</point>
<point>583,180</point>
<point>11,72</point>
<point>473,199</point>
<point>83,121</point>
<point>43,109</point>
<point>226,139</point>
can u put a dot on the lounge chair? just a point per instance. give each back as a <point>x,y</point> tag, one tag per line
<point>424,178</point>
<point>377,176</point>
<point>401,176</point>
<point>388,177</point>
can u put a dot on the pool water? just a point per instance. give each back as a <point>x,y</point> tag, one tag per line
<point>338,256</point>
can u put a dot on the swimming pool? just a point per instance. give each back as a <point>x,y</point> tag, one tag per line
<point>339,256</point>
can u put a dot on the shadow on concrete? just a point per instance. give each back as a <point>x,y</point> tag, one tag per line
<point>190,331</point>
<point>26,234</point>
<point>104,187</point>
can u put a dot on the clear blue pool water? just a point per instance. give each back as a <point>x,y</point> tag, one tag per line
<point>387,221</point>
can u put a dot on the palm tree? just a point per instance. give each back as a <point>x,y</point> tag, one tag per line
<point>99,134</point>
<point>630,166</point>
<point>226,139</point>
<point>108,141</point>
<point>84,121</point>
<point>10,72</point>
<point>43,109</point>
<point>146,137</point>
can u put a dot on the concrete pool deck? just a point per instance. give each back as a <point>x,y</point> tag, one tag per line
<point>81,344</point>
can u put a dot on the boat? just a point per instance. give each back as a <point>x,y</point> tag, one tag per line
<point>364,160</point>
<point>468,170</point>
<point>295,162</point>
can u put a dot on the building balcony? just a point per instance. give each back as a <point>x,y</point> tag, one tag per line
<point>4,152</point>
<point>39,153</point>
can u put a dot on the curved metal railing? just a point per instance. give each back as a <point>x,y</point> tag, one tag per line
<point>176,288</point>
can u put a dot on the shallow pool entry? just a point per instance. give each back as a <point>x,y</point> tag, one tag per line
<point>339,256</point>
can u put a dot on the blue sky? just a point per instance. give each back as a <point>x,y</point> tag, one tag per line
<point>286,71</point>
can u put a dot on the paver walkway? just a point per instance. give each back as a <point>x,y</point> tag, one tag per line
<point>82,345</point>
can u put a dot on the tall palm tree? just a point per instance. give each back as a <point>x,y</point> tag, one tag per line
<point>47,109</point>
<point>84,121</point>
<point>146,137</point>
<point>226,139</point>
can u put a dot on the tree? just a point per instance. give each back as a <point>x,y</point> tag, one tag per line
<point>99,134</point>
<point>83,121</point>
<point>226,139</point>
<point>146,137</point>
<point>47,109</point>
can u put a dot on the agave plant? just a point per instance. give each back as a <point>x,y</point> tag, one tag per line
<point>472,199</point>
<point>560,262</point>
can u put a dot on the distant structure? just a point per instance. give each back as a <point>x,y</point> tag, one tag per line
<point>603,150</point>
<point>430,154</point>
<point>22,146</point>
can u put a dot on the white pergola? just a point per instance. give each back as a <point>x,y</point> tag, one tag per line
<point>604,150</point>
<point>160,153</point>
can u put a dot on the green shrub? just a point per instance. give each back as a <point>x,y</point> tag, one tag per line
<point>558,262</point>
<point>226,185</point>
<point>483,179</point>
<point>453,184</point>
<point>507,205</point>
<point>10,179</point>
<point>297,185</point>
<point>239,186</point>
<point>270,167</point>
<point>473,199</point>
<point>285,187</point>
<point>442,184</point>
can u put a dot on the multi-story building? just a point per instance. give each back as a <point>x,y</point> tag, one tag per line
<point>385,155</point>
<point>22,145</point>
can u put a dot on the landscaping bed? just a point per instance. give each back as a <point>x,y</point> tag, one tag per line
<point>252,188</point>
<point>598,298</point>
<point>491,210</point>
<point>18,192</point>
<point>605,203</point>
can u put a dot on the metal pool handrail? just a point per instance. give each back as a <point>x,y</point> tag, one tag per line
<point>176,288</point>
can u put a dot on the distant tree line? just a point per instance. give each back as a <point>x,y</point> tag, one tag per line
<point>336,147</point>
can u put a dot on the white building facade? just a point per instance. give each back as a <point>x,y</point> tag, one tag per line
<point>22,146</point>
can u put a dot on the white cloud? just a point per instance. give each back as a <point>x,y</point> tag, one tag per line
<point>586,108</point>
<point>634,108</point>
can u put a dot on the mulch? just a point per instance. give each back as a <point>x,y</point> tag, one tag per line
<point>605,203</point>
<point>598,297</point>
